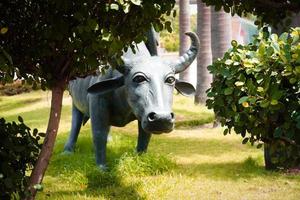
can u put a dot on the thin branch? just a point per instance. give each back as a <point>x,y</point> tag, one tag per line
<point>66,65</point>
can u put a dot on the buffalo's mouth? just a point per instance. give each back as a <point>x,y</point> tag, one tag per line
<point>158,123</point>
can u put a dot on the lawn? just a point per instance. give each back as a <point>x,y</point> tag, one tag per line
<point>192,162</point>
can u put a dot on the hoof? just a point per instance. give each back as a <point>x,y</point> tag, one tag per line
<point>109,138</point>
<point>66,152</point>
<point>102,168</point>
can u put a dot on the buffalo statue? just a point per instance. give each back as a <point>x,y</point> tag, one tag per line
<point>142,89</point>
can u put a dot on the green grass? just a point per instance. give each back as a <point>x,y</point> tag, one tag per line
<point>192,162</point>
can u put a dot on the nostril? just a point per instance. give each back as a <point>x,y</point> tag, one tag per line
<point>172,115</point>
<point>151,116</point>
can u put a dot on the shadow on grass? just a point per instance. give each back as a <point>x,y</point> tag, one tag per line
<point>184,124</point>
<point>188,119</point>
<point>11,105</point>
<point>246,169</point>
<point>200,146</point>
<point>37,117</point>
<point>110,186</point>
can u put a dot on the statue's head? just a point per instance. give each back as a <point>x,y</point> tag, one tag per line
<point>149,83</point>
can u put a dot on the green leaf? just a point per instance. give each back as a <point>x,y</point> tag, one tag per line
<point>274,37</point>
<point>234,43</point>
<point>298,125</point>
<point>126,8</point>
<point>20,119</point>
<point>168,26</point>
<point>228,91</point>
<point>247,64</point>
<point>234,108</point>
<point>42,134</point>
<point>284,36</point>
<point>278,132</point>
<point>259,145</point>
<point>35,132</point>
<point>264,103</point>
<point>225,131</point>
<point>3,30</point>
<point>136,2</point>
<point>292,80</point>
<point>260,89</point>
<point>243,99</point>
<point>245,140</point>
<point>228,62</point>
<point>210,94</point>
<point>274,102</point>
<point>114,6</point>
<point>226,8</point>
<point>174,13</point>
<point>297,69</point>
<point>261,49</point>
<point>276,47</point>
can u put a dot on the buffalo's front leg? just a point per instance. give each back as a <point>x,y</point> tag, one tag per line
<point>99,114</point>
<point>77,117</point>
<point>143,140</point>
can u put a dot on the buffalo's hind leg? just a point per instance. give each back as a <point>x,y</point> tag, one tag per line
<point>77,118</point>
<point>143,140</point>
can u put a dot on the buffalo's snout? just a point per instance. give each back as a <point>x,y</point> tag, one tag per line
<point>159,122</point>
<point>156,117</point>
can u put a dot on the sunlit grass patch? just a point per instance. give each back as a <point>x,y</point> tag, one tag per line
<point>132,164</point>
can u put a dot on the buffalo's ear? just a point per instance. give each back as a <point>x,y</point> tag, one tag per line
<point>184,88</point>
<point>107,85</point>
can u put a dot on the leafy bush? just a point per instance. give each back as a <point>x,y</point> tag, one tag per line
<point>19,149</point>
<point>256,90</point>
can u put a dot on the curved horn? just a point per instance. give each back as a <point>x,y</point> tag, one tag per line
<point>188,57</point>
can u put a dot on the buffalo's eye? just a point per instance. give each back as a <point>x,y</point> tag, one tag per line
<point>170,80</point>
<point>139,79</point>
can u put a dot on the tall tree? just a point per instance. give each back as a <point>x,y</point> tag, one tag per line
<point>184,26</point>
<point>52,41</point>
<point>221,37</point>
<point>204,58</point>
<point>221,33</point>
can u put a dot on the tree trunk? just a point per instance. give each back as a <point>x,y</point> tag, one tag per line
<point>204,78</point>
<point>221,33</point>
<point>47,149</point>
<point>269,165</point>
<point>184,26</point>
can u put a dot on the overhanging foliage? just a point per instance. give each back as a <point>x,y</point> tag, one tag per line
<point>56,40</point>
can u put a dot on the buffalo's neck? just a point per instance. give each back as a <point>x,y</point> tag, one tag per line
<point>121,112</point>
